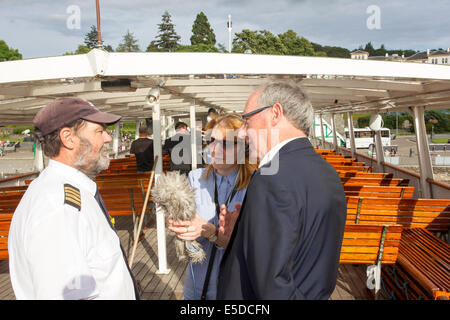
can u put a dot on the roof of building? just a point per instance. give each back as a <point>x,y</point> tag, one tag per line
<point>418,56</point>
<point>440,53</point>
<point>359,52</point>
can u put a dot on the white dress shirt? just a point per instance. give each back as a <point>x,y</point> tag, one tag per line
<point>268,157</point>
<point>59,251</point>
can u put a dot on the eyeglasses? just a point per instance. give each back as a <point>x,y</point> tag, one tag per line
<point>249,114</point>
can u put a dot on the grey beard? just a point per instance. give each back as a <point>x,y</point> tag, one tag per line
<point>91,167</point>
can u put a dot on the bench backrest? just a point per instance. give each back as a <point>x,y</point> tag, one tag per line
<point>432,214</point>
<point>368,244</point>
<point>379,191</point>
<point>5,223</point>
<point>374,181</point>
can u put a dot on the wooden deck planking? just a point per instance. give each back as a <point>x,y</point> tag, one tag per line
<point>350,284</point>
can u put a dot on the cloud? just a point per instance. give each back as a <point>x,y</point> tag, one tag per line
<point>38,28</point>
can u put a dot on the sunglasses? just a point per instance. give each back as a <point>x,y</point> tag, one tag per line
<point>222,143</point>
<point>249,114</point>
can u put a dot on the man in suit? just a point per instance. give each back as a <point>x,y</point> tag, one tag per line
<point>287,239</point>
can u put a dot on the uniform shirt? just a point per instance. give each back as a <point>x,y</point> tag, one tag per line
<point>57,251</point>
<point>206,208</point>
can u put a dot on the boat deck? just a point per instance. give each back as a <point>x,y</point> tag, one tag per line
<point>350,283</point>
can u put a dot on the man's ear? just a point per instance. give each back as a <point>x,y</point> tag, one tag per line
<point>67,137</point>
<point>277,114</point>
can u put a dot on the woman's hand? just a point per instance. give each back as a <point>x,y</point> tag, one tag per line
<point>190,230</point>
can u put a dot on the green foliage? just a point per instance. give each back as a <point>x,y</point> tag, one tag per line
<point>90,39</point>
<point>167,38</point>
<point>443,124</point>
<point>7,53</point>
<point>202,33</point>
<point>197,48</point>
<point>259,42</point>
<point>20,129</point>
<point>382,51</point>
<point>328,51</point>
<point>295,45</point>
<point>128,44</point>
<point>390,121</point>
<point>90,42</point>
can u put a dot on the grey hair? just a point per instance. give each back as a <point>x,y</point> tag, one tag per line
<point>296,106</point>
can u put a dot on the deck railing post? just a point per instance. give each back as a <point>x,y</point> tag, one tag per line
<point>423,153</point>
<point>322,131</point>
<point>351,134</point>
<point>333,125</point>
<point>160,222</point>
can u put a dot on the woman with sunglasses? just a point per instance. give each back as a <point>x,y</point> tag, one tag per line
<point>223,182</point>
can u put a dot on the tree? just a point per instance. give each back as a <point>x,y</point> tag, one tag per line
<point>90,39</point>
<point>295,45</point>
<point>370,49</point>
<point>202,33</point>
<point>197,48</point>
<point>128,44</point>
<point>7,53</point>
<point>167,39</point>
<point>259,42</point>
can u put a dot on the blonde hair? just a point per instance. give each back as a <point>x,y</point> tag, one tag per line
<point>234,122</point>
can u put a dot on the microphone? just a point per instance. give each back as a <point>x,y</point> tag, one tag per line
<point>176,197</point>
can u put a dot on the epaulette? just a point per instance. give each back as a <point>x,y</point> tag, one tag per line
<point>72,196</point>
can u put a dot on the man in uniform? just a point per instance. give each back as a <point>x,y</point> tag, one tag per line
<point>61,243</point>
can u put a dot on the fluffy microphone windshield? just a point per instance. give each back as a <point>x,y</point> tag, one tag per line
<point>176,198</point>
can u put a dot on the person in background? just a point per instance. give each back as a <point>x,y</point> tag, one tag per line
<point>142,148</point>
<point>179,148</point>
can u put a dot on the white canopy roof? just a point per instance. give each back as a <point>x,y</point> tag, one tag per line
<point>222,81</point>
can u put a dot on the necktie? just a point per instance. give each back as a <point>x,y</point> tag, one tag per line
<point>99,199</point>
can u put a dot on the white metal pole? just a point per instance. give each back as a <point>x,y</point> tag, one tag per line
<point>322,131</point>
<point>333,125</point>
<point>193,137</point>
<point>38,157</point>
<point>423,152</point>
<point>160,223</point>
<point>351,133</point>
<point>116,140</point>
<point>138,124</point>
<point>379,149</point>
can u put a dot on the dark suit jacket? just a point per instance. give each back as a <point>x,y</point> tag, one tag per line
<point>286,243</point>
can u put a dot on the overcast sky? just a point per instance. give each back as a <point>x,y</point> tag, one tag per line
<point>38,28</point>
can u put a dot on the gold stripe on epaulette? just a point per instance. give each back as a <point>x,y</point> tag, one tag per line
<point>72,196</point>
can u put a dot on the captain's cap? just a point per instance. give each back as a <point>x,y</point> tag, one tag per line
<point>63,111</point>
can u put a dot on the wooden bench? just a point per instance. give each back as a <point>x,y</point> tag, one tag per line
<point>373,245</point>
<point>5,223</point>
<point>361,181</point>
<point>422,270</point>
<point>379,191</point>
<point>353,168</point>
<point>359,174</point>
<point>432,214</point>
